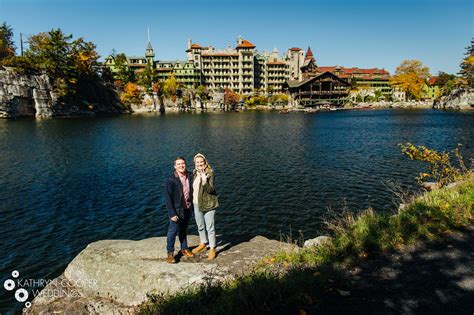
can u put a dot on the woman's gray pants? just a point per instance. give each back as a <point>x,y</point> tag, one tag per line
<point>205,223</point>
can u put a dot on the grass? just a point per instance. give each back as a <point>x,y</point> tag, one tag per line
<point>292,282</point>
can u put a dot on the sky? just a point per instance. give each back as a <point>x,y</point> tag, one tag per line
<point>357,33</point>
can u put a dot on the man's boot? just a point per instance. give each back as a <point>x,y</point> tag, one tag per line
<point>170,259</point>
<point>187,253</point>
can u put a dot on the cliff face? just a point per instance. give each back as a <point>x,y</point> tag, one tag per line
<point>28,95</point>
<point>25,95</point>
<point>457,99</point>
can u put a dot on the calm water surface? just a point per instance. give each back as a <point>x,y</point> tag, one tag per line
<point>67,182</point>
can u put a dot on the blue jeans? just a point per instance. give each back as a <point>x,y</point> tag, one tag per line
<point>179,228</point>
<point>205,223</point>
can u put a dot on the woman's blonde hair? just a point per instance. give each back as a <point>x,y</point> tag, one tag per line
<point>208,168</point>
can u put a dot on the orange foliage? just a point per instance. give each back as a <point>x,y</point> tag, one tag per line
<point>131,94</point>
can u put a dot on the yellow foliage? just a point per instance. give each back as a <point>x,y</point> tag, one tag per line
<point>410,77</point>
<point>440,166</point>
<point>469,60</point>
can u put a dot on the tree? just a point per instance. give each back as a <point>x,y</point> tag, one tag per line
<point>279,99</point>
<point>124,73</point>
<point>467,66</point>
<point>377,95</point>
<point>51,53</point>
<point>170,87</point>
<point>131,94</point>
<point>147,78</point>
<point>230,97</point>
<point>410,77</point>
<point>85,59</point>
<point>203,92</point>
<point>446,82</point>
<point>7,47</point>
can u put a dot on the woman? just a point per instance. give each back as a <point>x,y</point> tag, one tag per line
<point>205,202</point>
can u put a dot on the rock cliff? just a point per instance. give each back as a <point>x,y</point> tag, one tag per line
<point>32,95</point>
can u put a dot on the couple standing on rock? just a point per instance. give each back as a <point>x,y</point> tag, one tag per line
<point>186,193</point>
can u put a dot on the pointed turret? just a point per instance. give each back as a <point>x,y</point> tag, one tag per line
<point>149,51</point>
<point>309,55</point>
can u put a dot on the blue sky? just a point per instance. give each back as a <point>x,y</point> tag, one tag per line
<point>360,33</point>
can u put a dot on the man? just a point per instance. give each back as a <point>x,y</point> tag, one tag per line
<point>178,199</point>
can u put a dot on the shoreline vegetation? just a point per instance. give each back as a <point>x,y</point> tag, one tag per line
<point>297,281</point>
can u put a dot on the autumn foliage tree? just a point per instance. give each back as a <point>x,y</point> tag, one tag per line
<point>230,97</point>
<point>410,77</point>
<point>131,94</point>
<point>7,47</point>
<point>170,87</point>
<point>84,58</point>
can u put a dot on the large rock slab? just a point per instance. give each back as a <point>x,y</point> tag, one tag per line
<point>460,98</point>
<point>114,276</point>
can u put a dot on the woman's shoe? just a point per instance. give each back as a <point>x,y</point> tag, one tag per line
<point>200,248</point>
<point>212,254</point>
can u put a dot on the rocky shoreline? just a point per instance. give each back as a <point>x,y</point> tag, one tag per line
<point>32,95</point>
<point>115,276</point>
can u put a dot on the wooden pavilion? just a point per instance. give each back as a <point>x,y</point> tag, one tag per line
<point>320,90</point>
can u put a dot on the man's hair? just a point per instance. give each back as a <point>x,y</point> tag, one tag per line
<point>179,158</point>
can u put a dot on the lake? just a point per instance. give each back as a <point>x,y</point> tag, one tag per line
<point>68,182</point>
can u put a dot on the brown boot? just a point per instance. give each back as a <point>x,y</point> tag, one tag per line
<point>187,253</point>
<point>212,254</point>
<point>200,248</point>
<point>170,259</point>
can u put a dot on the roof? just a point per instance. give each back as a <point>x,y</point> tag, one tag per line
<point>196,46</point>
<point>276,63</point>
<point>348,72</point>
<point>309,54</point>
<point>246,44</point>
<point>307,62</point>
<point>294,84</point>
<point>295,49</point>
<point>433,80</point>
<point>220,54</point>
<point>136,57</point>
<point>149,46</point>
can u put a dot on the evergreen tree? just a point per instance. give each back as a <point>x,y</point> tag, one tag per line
<point>124,74</point>
<point>467,66</point>
<point>51,52</point>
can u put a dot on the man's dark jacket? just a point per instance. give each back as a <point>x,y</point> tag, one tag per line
<point>174,198</point>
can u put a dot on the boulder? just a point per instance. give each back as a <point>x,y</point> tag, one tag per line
<point>115,276</point>
<point>430,185</point>
<point>460,98</point>
<point>320,240</point>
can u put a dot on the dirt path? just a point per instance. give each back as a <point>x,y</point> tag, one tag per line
<point>433,278</point>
